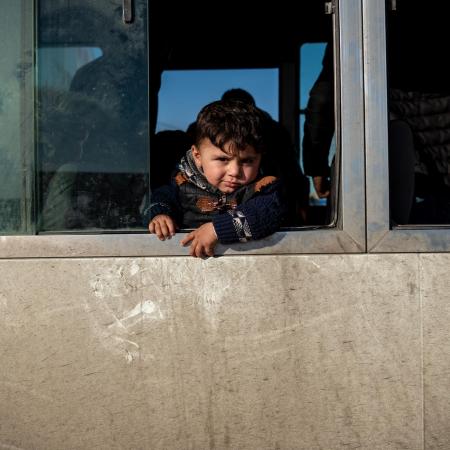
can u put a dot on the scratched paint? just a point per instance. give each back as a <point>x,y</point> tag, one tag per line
<point>3,301</point>
<point>118,313</point>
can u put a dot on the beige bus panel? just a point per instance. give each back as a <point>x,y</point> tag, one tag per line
<point>256,352</point>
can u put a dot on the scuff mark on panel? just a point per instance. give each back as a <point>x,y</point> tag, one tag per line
<point>213,295</point>
<point>129,356</point>
<point>134,269</point>
<point>114,323</point>
<point>8,317</point>
<point>3,301</point>
<point>126,340</point>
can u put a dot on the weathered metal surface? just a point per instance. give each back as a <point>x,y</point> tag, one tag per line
<point>257,352</point>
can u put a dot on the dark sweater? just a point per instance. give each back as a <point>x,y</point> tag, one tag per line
<point>253,211</point>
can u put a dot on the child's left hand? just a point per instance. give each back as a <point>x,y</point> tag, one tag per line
<point>203,240</point>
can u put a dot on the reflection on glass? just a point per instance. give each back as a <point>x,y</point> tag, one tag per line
<point>16,118</point>
<point>92,92</point>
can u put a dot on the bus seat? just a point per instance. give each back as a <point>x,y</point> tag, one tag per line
<point>401,171</point>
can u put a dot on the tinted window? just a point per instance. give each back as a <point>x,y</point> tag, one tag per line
<point>92,116</point>
<point>419,113</point>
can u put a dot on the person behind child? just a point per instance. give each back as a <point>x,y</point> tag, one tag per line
<point>218,188</point>
<point>319,127</point>
<point>281,161</point>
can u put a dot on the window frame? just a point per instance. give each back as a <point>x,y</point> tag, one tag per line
<point>349,235</point>
<point>381,237</point>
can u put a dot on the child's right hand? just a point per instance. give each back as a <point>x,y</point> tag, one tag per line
<point>163,226</point>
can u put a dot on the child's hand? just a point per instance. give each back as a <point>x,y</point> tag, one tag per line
<point>203,240</point>
<point>163,226</point>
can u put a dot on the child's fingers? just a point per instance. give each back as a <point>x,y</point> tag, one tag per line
<point>187,239</point>
<point>164,230</point>
<point>171,227</point>
<point>196,250</point>
<point>158,231</point>
<point>151,227</point>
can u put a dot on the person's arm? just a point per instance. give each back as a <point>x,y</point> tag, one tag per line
<point>319,127</point>
<point>255,219</point>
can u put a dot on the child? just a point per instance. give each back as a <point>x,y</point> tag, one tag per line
<point>218,189</point>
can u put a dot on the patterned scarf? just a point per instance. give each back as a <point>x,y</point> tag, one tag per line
<point>189,169</point>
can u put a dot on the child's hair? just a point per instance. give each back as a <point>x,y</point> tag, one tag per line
<point>241,124</point>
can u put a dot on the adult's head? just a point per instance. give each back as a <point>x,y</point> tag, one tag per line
<point>238,94</point>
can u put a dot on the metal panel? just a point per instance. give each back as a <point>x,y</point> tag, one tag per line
<point>43,246</point>
<point>380,238</point>
<point>376,119</point>
<point>352,120</point>
<point>256,353</point>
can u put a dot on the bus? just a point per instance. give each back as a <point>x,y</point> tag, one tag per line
<point>332,333</point>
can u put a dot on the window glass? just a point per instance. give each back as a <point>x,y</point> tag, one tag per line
<point>16,117</point>
<point>92,116</point>
<point>419,113</point>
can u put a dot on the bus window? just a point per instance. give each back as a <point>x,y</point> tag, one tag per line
<point>419,114</point>
<point>92,117</point>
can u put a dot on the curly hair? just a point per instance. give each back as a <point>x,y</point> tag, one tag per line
<point>232,121</point>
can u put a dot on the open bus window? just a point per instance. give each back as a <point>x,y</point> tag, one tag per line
<point>419,114</point>
<point>200,67</point>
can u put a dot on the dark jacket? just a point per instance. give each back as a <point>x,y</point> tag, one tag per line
<point>253,211</point>
<point>428,116</point>
<point>319,121</point>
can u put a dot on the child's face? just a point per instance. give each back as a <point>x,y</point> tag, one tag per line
<point>224,170</point>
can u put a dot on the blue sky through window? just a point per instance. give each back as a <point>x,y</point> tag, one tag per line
<point>184,92</point>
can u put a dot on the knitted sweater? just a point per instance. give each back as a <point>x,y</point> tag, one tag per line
<point>253,211</point>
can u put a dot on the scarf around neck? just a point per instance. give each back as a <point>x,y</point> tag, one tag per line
<point>189,169</point>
